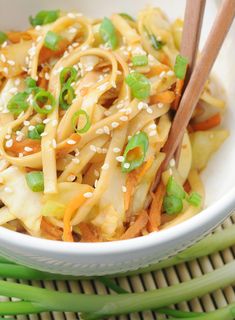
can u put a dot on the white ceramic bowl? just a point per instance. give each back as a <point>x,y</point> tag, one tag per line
<point>106,258</point>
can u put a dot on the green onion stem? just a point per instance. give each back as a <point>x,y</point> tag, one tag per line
<point>21,307</point>
<point>104,306</point>
<point>111,285</point>
<point>178,313</point>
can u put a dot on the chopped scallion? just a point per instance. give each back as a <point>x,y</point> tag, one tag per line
<point>35,181</point>
<point>18,103</point>
<point>68,75</point>
<point>75,119</point>
<point>126,16</point>
<point>172,204</point>
<point>194,199</point>
<point>108,33</point>
<point>44,102</point>
<point>135,152</point>
<point>175,189</point>
<point>52,40</point>
<point>3,37</point>
<point>156,44</point>
<point>180,67</point>
<point>35,134</point>
<point>44,17</point>
<point>67,95</point>
<point>139,61</point>
<point>139,84</point>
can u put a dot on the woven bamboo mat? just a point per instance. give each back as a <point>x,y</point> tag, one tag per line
<point>150,281</point>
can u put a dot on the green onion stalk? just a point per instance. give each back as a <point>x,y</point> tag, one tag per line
<point>103,306</point>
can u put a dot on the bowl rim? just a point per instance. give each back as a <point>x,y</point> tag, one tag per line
<point>225,204</point>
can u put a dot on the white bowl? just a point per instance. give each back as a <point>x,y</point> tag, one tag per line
<point>107,258</point>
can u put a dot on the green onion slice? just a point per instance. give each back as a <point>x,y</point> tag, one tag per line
<point>35,181</point>
<point>172,204</point>
<point>139,61</point>
<point>180,67</point>
<point>108,33</point>
<point>44,17</point>
<point>44,102</point>
<point>35,134</point>
<point>156,44</point>
<point>67,95</point>
<point>68,75</point>
<point>139,84</point>
<point>195,199</point>
<point>52,40</point>
<point>126,16</point>
<point>3,37</point>
<point>175,189</point>
<point>18,103</point>
<point>135,152</point>
<point>75,119</point>
<point>30,82</point>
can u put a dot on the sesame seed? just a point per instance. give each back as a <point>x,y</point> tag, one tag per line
<point>77,152</point>
<point>7,136</point>
<point>124,189</point>
<point>172,163</point>
<point>88,195</point>
<point>120,158</point>
<point>31,128</point>
<point>26,123</point>
<point>162,74</point>
<point>152,133</point>
<point>71,15</point>
<point>96,173</point>
<point>19,133</point>
<point>44,134</point>
<point>48,107</point>
<point>93,148</point>
<point>8,190</point>
<point>20,155</point>
<point>105,166</point>
<point>45,121</point>
<point>99,150</point>
<point>71,178</point>
<point>9,143</point>
<point>28,149</point>
<point>114,124</point>
<point>123,118</point>
<point>103,86</point>
<point>170,73</point>
<point>54,123</point>
<point>76,160</point>
<point>53,143</point>
<point>149,110</point>
<point>38,28</point>
<point>70,141</point>
<point>160,105</point>
<point>11,62</point>
<point>106,130</point>
<point>99,131</point>
<point>152,126</point>
<point>47,76</point>
<point>3,58</point>
<point>142,105</point>
<point>116,150</point>
<point>5,70</point>
<point>19,138</point>
<point>4,44</point>
<point>126,165</point>
<point>107,113</point>
<point>96,183</point>
<point>17,82</point>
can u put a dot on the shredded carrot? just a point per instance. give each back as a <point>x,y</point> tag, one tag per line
<point>156,207</point>
<point>165,60</point>
<point>89,232</point>
<point>15,36</point>
<point>166,218</point>
<point>178,92</point>
<point>19,147</point>
<point>133,179</point>
<point>157,70</point>
<point>207,124</point>
<point>73,205</point>
<point>198,111</point>
<point>50,231</point>
<point>135,229</point>
<point>46,54</point>
<point>187,187</point>
<point>64,147</point>
<point>163,97</point>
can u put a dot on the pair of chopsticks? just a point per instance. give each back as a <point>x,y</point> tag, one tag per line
<point>198,73</point>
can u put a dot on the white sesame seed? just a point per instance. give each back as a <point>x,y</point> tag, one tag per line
<point>106,130</point>
<point>152,126</point>
<point>93,148</point>
<point>47,76</point>
<point>96,173</point>
<point>11,62</point>
<point>162,74</point>
<point>26,123</point>
<point>70,141</point>
<point>103,86</point>
<point>123,118</point>
<point>105,166</point>
<point>5,70</point>
<point>20,155</point>
<point>45,121</point>
<point>38,28</point>
<point>107,113</point>
<point>116,150</point>
<point>8,190</point>
<point>3,58</point>
<point>31,128</point>
<point>48,107</point>
<point>7,136</point>
<point>53,143</point>
<point>19,138</point>
<point>124,189</point>
<point>71,178</point>
<point>170,73</point>
<point>172,163</point>
<point>54,123</point>
<point>128,111</point>
<point>88,195</point>
<point>76,160</point>
<point>9,143</point>
<point>160,105</point>
<point>152,133</point>
<point>77,152</point>
<point>71,15</point>
<point>126,165</point>
<point>114,124</point>
<point>44,134</point>
<point>149,110</point>
<point>28,149</point>
<point>99,150</point>
<point>17,82</point>
<point>142,105</point>
<point>4,44</point>
<point>99,131</point>
<point>96,183</point>
<point>120,158</point>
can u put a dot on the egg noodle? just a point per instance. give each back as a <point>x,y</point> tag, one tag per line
<point>86,106</point>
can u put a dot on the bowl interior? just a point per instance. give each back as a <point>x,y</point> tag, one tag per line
<point>218,177</point>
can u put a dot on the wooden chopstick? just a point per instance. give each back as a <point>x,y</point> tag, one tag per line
<point>197,81</point>
<point>193,18</point>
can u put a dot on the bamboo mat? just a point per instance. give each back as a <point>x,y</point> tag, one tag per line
<point>150,281</point>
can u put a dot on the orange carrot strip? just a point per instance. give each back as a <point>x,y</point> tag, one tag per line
<point>187,187</point>
<point>163,97</point>
<point>64,147</point>
<point>165,60</point>
<point>19,146</point>
<point>178,92</point>
<point>135,229</point>
<point>208,123</point>
<point>69,211</point>
<point>166,218</point>
<point>157,70</point>
<point>156,207</point>
<point>15,36</point>
<point>89,233</point>
<point>46,54</point>
<point>51,231</point>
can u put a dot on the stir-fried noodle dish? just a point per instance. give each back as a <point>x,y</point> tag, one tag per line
<point>86,106</point>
